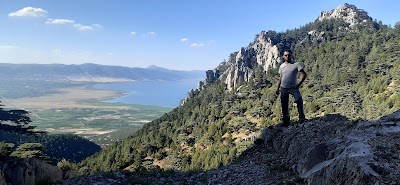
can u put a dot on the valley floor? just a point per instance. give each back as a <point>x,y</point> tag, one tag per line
<point>67,98</point>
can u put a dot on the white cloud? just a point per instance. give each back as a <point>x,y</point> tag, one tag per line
<point>81,27</point>
<point>196,45</point>
<point>8,47</point>
<point>133,33</point>
<point>184,40</point>
<point>97,26</point>
<point>29,12</point>
<point>150,34</point>
<point>59,21</point>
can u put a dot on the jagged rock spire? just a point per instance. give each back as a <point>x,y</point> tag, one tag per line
<point>349,13</point>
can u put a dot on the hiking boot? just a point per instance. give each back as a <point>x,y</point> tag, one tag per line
<point>302,120</point>
<point>285,121</point>
<point>285,124</point>
<point>258,141</point>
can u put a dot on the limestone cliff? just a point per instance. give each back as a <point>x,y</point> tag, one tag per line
<point>262,51</point>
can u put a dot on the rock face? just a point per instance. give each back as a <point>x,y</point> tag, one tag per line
<point>262,51</point>
<point>349,13</point>
<point>28,172</point>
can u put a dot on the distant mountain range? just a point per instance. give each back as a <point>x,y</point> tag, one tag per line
<point>58,71</point>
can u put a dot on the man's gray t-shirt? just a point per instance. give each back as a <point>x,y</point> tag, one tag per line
<point>289,73</point>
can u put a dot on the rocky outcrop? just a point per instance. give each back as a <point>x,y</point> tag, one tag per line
<point>28,172</point>
<point>333,150</point>
<point>267,53</point>
<point>117,178</point>
<point>239,71</point>
<point>349,13</point>
<point>262,52</point>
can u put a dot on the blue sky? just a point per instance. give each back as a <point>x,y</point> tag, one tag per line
<point>175,34</point>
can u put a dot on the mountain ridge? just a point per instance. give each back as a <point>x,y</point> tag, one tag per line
<point>59,71</point>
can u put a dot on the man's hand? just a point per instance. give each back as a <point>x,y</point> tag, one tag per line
<point>277,92</point>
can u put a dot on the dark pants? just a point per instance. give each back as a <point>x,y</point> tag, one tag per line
<point>285,103</point>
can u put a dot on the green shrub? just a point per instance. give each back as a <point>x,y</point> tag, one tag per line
<point>65,165</point>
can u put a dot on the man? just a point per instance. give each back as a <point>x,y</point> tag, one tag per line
<point>287,84</point>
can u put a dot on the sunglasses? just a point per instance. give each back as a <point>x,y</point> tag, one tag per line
<point>287,55</point>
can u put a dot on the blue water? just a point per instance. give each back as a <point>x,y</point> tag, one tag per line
<point>161,93</point>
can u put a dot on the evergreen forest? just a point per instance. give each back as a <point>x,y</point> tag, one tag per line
<point>352,71</point>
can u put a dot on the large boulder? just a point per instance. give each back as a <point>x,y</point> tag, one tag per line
<point>28,172</point>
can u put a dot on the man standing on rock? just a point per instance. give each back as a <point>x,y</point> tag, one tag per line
<point>287,84</point>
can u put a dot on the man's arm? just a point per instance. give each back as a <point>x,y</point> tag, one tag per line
<point>279,84</point>
<point>303,77</point>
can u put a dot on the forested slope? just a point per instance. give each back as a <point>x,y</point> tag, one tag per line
<point>353,70</point>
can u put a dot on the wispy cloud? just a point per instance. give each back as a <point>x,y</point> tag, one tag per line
<point>149,34</point>
<point>184,39</point>
<point>29,12</point>
<point>8,47</point>
<point>59,21</point>
<point>97,26</point>
<point>197,45</point>
<point>77,26</point>
<point>92,27</point>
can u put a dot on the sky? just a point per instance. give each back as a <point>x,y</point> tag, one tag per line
<point>173,34</point>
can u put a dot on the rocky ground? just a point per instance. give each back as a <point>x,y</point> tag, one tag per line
<point>326,150</point>
<point>257,166</point>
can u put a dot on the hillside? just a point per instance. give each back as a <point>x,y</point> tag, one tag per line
<point>326,150</point>
<point>353,67</point>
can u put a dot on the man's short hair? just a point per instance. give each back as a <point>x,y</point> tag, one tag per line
<point>287,50</point>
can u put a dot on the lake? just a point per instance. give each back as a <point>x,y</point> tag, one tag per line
<point>161,93</point>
